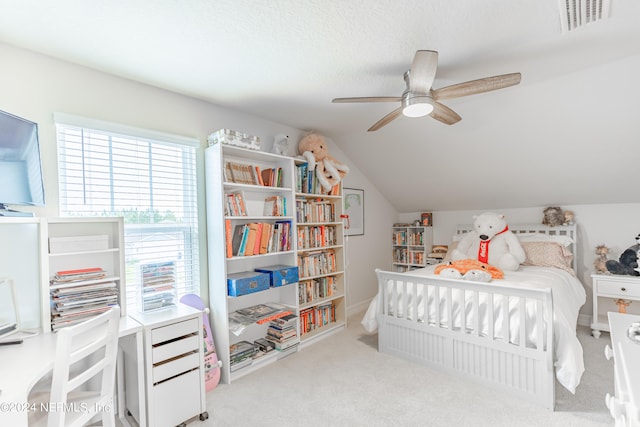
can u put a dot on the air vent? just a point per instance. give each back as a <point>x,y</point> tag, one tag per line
<point>578,13</point>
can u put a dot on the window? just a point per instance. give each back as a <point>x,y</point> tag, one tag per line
<point>146,177</point>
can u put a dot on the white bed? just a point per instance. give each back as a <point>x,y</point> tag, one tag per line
<point>412,313</point>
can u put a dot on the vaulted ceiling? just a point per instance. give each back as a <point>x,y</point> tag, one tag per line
<point>567,134</point>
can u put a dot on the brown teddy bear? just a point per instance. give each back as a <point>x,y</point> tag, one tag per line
<point>328,170</point>
<point>601,259</point>
<point>553,216</point>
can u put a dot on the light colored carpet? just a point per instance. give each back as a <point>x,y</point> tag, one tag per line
<point>344,381</point>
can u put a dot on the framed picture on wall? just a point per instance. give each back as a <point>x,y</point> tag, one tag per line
<point>353,200</point>
<point>426,218</point>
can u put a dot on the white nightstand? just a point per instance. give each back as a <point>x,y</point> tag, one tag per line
<point>607,289</point>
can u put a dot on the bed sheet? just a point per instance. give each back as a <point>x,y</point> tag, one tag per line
<point>568,296</point>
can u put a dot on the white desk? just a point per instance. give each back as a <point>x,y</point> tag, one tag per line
<point>23,365</point>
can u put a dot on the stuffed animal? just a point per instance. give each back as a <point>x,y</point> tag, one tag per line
<point>328,170</point>
<point>281,145</point>
<point>627,264</point>
<point>601,259</point>
<point>569,218</point>
<point>469,269</point>
<point>491,242</point>
<point>552,216</point>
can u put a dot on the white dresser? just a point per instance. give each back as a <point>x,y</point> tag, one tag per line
<point>624,405</point>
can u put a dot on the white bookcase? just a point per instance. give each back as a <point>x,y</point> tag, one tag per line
<point>320,258</point>
<point>411,247</point>
<point>222,222</point>
<point>37,248</point>
<point>83,243</point>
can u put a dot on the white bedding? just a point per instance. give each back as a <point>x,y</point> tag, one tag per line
<point>568,296</point>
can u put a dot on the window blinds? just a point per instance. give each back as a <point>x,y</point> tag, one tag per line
<point>148,179</point>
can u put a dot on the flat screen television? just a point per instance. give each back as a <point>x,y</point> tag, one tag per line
<point>21,181</point>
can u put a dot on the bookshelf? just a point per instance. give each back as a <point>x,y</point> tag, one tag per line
<point>411,246</point>
<point>248,189</point>
<point>240,204</point>
<point>84,264</point>
<point>320,257</point>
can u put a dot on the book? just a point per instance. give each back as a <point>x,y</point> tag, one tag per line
<point>258,239</point>
<point>243,242</point>
<point>259,311</point>
<point>251,239</point>
<point>228,238</point>
<point>238,232</point>
<point>264,345</point>
<point>286,320</point>
<point>259,176</point>
<point>267,177</point>
<point>264,238</point>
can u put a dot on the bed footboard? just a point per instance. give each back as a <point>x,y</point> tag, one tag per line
<point>496,335</point>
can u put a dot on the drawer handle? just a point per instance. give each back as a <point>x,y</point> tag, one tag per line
<point>623,289</point>
<point>608,352</point>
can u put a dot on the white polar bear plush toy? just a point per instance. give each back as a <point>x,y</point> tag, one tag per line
<point>491,242</point>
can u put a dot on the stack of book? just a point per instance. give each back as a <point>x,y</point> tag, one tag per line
<point>158,285</point>
<point>241,354</point>
<point>439,251</point>
<point>77,295</point>
<point>283,332</point>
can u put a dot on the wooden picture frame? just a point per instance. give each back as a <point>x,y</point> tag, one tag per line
<point>426,219</point>
<point>353,205</point>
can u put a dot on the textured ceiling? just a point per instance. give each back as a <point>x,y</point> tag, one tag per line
<point>560,137</point>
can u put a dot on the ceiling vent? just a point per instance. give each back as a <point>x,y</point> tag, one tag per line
<point>578,13</point>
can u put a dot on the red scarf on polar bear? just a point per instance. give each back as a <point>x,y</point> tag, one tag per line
<point>483,249</point>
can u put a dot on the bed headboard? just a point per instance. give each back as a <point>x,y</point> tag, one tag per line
<point>560,230</point>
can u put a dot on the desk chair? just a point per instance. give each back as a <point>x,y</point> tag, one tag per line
<point>83,376</point>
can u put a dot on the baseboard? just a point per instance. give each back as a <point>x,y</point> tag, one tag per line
<point>358,308</point>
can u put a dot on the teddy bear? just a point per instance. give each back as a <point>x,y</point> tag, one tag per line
<point>328,170</point>
<point>627,264</point>
<point>491,242</point>
<point>552,216</point>
<point>469,269</point>
<point>601,259</point>
<point>569,217</point>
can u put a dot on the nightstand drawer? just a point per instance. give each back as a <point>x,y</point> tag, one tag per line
<point>618,288</point>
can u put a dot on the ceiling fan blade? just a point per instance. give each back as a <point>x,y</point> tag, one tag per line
<point>386,119</point>
<point>444,114</point>
<point>369,99</point>
<point>423,71</point>
<point>473,87</point>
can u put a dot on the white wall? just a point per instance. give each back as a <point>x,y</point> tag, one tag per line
<point>34,86</point>
<point>614,225</point>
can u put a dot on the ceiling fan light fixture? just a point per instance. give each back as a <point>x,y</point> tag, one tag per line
<point>417,106</point>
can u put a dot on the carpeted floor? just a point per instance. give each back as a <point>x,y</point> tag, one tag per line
<point>344,381</point>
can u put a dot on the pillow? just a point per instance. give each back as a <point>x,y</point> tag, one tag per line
<point>565,241</point>
<point>547,254</point>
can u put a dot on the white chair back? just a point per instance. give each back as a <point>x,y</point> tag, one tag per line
<point>83,380</point>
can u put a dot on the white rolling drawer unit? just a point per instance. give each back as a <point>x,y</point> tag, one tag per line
<point>174,365</point>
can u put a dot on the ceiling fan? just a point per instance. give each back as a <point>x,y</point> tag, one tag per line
<point>420,99</point>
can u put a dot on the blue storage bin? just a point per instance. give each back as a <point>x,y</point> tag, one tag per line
<point>280,275</point>
<point>247,282</point>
